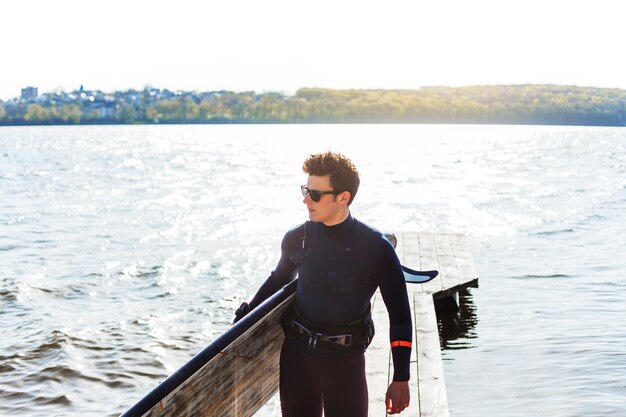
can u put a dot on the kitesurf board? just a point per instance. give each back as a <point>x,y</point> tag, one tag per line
<point>233,376</point>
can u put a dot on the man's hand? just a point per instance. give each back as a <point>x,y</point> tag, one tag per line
<point>398,396</point>
<point>241,311</point>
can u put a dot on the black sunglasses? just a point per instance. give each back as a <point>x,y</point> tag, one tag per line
<point>315,195</point>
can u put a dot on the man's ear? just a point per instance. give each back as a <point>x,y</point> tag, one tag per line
<point>345,196</point>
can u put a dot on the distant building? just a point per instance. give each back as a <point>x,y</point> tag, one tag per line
<point>29,93</point>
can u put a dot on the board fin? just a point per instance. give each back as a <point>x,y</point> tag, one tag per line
<point>411,275</point>
<point>418,277</point>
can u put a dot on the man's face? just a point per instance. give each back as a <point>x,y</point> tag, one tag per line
<point>331,209</point>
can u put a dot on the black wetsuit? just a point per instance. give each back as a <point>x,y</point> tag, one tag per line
<point>339,268</point>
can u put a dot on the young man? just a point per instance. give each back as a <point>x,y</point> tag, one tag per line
<point>340,262</point>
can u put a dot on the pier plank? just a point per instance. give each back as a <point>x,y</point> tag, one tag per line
<point>433,401</point>
<point>450,255</point>
<point>379,365</point>
<point>377,358</point>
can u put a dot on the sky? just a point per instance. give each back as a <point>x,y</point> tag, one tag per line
<point>284,45</point>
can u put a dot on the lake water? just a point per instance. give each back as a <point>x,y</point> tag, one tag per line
<point>125,249</point>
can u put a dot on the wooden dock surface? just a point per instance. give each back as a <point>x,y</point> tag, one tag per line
<point>450,255</point>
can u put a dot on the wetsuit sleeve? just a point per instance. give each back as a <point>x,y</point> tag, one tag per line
<point>286,268</point>
<point>394,293</point>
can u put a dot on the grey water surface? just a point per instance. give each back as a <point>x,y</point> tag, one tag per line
<point>125,249</point>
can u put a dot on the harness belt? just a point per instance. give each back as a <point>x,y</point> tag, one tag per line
<point>315,337</point>
<point>354,336</point>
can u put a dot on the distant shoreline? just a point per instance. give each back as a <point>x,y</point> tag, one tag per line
<point>503,104</point>
<point>304,123</point>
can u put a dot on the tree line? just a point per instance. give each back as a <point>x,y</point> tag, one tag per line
<point>502,104</point>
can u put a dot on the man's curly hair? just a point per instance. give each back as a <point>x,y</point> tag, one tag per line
<point>343,174</point>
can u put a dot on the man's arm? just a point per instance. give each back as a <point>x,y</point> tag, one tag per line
<point>284,272</point>
<point>394,293</point>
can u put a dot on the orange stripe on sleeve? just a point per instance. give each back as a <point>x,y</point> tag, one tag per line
<point>401,343</point>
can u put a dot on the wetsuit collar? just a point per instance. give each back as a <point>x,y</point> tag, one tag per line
<point>344,225</point>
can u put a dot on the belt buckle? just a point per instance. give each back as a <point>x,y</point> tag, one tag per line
<point>315,337</point>
<point>341,339</point>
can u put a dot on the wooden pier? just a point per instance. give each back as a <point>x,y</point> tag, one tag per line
<point>450,255</point>
<point>238,373</point>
